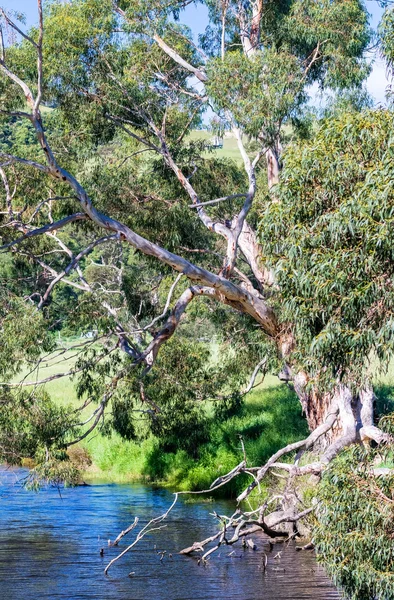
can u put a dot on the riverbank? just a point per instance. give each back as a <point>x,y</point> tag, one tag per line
<point>270,419</point>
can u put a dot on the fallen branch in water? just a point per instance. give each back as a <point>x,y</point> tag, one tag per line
<point>125,532</point>
<point>144,531</point>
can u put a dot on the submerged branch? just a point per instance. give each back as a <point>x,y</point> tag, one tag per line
<point>148,528</point>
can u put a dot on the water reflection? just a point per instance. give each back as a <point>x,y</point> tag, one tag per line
<point>50,549</point>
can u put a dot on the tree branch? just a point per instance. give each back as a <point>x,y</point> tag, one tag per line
<point>179,60</point>
<point>144,531</point>
<point>47,229</point>
<point>259,366</point>
<point>72,265</point>
<point>225,290</point>
<point>16,28</point>
<point>231,197</point>
<point>307,443</point>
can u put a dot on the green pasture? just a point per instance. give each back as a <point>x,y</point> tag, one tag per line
<point>229,150</point>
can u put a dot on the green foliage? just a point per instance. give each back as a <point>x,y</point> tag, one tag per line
<point>340,29</point>
<point>54,471</point>
<point>174,396</point>
<point>354,535</point>
<point>270,418</point>
<point>301,42</point>
<point>32,426</point>
<point>261,90</point>
<point>95,76</point>
<point>386,30</point>
<point>23,334</point>
<point>330,239</point>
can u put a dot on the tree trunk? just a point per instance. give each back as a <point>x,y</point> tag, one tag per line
<point>273,168</point>
<point>355,410</point>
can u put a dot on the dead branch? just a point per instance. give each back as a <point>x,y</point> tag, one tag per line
<point>217,200</point>
<point>178,59</point>
<point>226,478</point>
<point>260,366</point>
<point>312,468</point>
<point>150,354</point>
<point>125,532</point>
<point>308,442</point>
<point>199,546</point>
<point>144,531</point>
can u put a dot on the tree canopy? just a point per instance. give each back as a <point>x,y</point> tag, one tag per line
<point>119,222</point>
<point>330,238</point>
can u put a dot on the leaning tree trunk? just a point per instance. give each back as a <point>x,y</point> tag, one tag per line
<point>354,414</point>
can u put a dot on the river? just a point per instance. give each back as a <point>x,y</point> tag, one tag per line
<point>50,549</point>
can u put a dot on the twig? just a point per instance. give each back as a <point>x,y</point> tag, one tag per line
<point>231,197</point>
<point>144,531</point>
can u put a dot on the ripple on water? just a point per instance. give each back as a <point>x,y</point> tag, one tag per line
<point>50,549</point>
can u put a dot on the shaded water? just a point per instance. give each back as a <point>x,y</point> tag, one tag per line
<point>50,549</point>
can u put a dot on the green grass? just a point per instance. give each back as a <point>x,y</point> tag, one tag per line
<point>229,150</point>
<point>270,419</point>
<point>61,390</point>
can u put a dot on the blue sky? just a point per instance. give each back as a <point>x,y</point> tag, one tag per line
<point>196,18</point>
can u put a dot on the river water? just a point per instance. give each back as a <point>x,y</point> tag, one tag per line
<point>50,549</point>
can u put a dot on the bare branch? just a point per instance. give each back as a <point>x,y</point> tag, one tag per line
<point>231,197</point>
<point>199,546</point>
<point>307,443</point>
<point>178,59</point>
<point>23,161</point>
<point>251,250</point>
<point>295,471</point>
<point>7,193</point>
<point>144,531</point>
<point>125,532</point>
<point>16,28</point>
<point>42,381</point>
<point>172,323</point>
<point>2,46</point>
<point>259,366</point>
<point>167,304</point>
<point>72,265</point>
<point>47,229</point>
<point>226,478</point>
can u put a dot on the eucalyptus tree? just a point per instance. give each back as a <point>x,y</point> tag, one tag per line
<point>129,70</point>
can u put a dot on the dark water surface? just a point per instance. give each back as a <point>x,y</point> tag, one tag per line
<point>50,549</point>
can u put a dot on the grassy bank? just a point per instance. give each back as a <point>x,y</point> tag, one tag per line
<point>270,418</point>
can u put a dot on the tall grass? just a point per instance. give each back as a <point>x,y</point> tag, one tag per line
<point>270,419</point>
